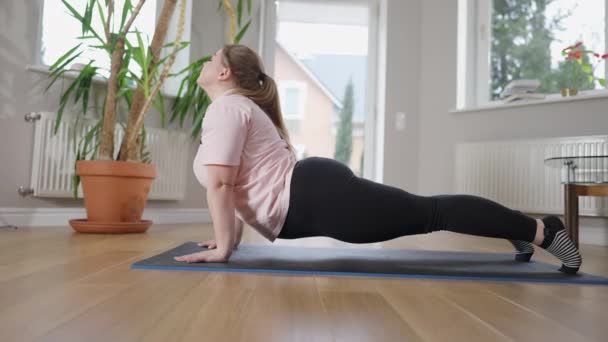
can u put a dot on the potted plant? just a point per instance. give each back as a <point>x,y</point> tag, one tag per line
<point>579,61</point>
<point>116,182</point>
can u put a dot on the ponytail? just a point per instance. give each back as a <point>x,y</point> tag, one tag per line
<point>253,83</point>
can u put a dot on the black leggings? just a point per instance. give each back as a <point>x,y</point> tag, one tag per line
<point>328,199</point>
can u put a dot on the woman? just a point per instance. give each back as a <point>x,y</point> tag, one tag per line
<point>248,166</point>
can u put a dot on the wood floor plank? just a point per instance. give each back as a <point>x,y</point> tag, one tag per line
<point>11,291</point>
<point>365,316</point>
<point>130,314</point>
<point>286,308</point>
<point>581,315</point>
<point>206,313</point>
<point>432,316</point>
<point>509,318</point>
<point>33,317</point>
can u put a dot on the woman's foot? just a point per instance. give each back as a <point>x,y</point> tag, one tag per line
<point>557,242</point>
<point>524,250</point>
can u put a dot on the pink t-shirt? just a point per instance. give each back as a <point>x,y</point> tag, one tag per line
<point>235,131</point>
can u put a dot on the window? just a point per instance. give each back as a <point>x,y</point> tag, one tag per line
<point>60,32</point>
<point>292,95</point>
<point>300,151</point>
<point>505,40</point>
<point>304,41</point>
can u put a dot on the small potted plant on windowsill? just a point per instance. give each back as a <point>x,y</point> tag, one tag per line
<point>116,184</point>
<point>582,64</point>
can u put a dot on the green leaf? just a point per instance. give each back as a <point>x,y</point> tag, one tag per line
<point>249,7</point>
<point>163,60</point>
<point>602,82</point>
<point>586,68</point>
<point>62,103</point>
<point>125,11</point>
<point>239,11</point>
<point>88,15</point>
<point>196,66</point>
<point>82,20</point>
<point>173,43</point>
<point>75,177</point>
<point>159,104</point>
<point>141,52</point>
<point>62,58</point>
<point>241,33</point>
<point>86,84</point>
<point>57,76</point>
<point>84,75</point>
<point>196,127</point>
<point>102,17</point>
<point>85,37</point>
<point>74,13</point>
<point>90,135</point>
<point>105,47</point>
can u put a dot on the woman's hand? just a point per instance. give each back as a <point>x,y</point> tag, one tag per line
<point>204,256</point>
<point>211,244</point>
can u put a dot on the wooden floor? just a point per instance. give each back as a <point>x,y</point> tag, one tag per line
<point>56,285</point>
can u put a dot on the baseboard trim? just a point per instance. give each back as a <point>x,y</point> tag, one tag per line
<point>40,217</point>
<point>593,236</point>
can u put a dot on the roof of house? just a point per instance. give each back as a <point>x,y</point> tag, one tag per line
<point>334,71</point>
<point>312,76</point>
<point>331,74</point>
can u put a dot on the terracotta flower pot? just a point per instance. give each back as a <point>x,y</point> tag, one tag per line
<point>115,194</point>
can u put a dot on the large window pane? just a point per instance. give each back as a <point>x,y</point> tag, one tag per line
<point>327,54</point>
<point>60,31</point>
<point>528,37</point>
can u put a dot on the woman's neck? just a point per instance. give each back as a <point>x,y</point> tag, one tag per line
<point>218,91</point>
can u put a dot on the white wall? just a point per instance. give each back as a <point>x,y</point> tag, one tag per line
<point>402,86</point>
<point>440,130</point>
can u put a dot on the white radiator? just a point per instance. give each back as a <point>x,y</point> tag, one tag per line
<point>513,173</point>
<point>54,156</point>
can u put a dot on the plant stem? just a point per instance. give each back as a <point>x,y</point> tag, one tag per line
<point>129,139</point>
<point>160,34</point>
<point>106,148</point>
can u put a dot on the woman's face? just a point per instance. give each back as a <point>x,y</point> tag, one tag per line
<point>213,71</point>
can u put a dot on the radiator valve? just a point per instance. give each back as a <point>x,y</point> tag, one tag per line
<point>25,191</point>
<point>32,116</point>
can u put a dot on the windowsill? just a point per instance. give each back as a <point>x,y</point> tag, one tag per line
<point>552,98</point>
<point>43,69</point>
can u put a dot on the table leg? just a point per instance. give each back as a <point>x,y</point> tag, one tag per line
<point>8,226</point>
<point>571,212</point>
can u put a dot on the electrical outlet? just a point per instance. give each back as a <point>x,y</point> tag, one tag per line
<point>400,121</point>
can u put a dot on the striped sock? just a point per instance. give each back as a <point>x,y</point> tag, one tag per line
<point>524,250</point>
<point>558,243</point>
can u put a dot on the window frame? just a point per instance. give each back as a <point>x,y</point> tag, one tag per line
<point>474,34</point>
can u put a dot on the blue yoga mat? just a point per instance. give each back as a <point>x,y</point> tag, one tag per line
<point>369,262</point>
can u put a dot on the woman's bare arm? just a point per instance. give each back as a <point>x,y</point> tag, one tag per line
<point>220,197</point>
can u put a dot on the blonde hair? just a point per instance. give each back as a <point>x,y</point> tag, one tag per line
<point>252,82</point>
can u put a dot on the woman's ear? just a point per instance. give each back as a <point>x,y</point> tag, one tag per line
<point>225,74</point>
